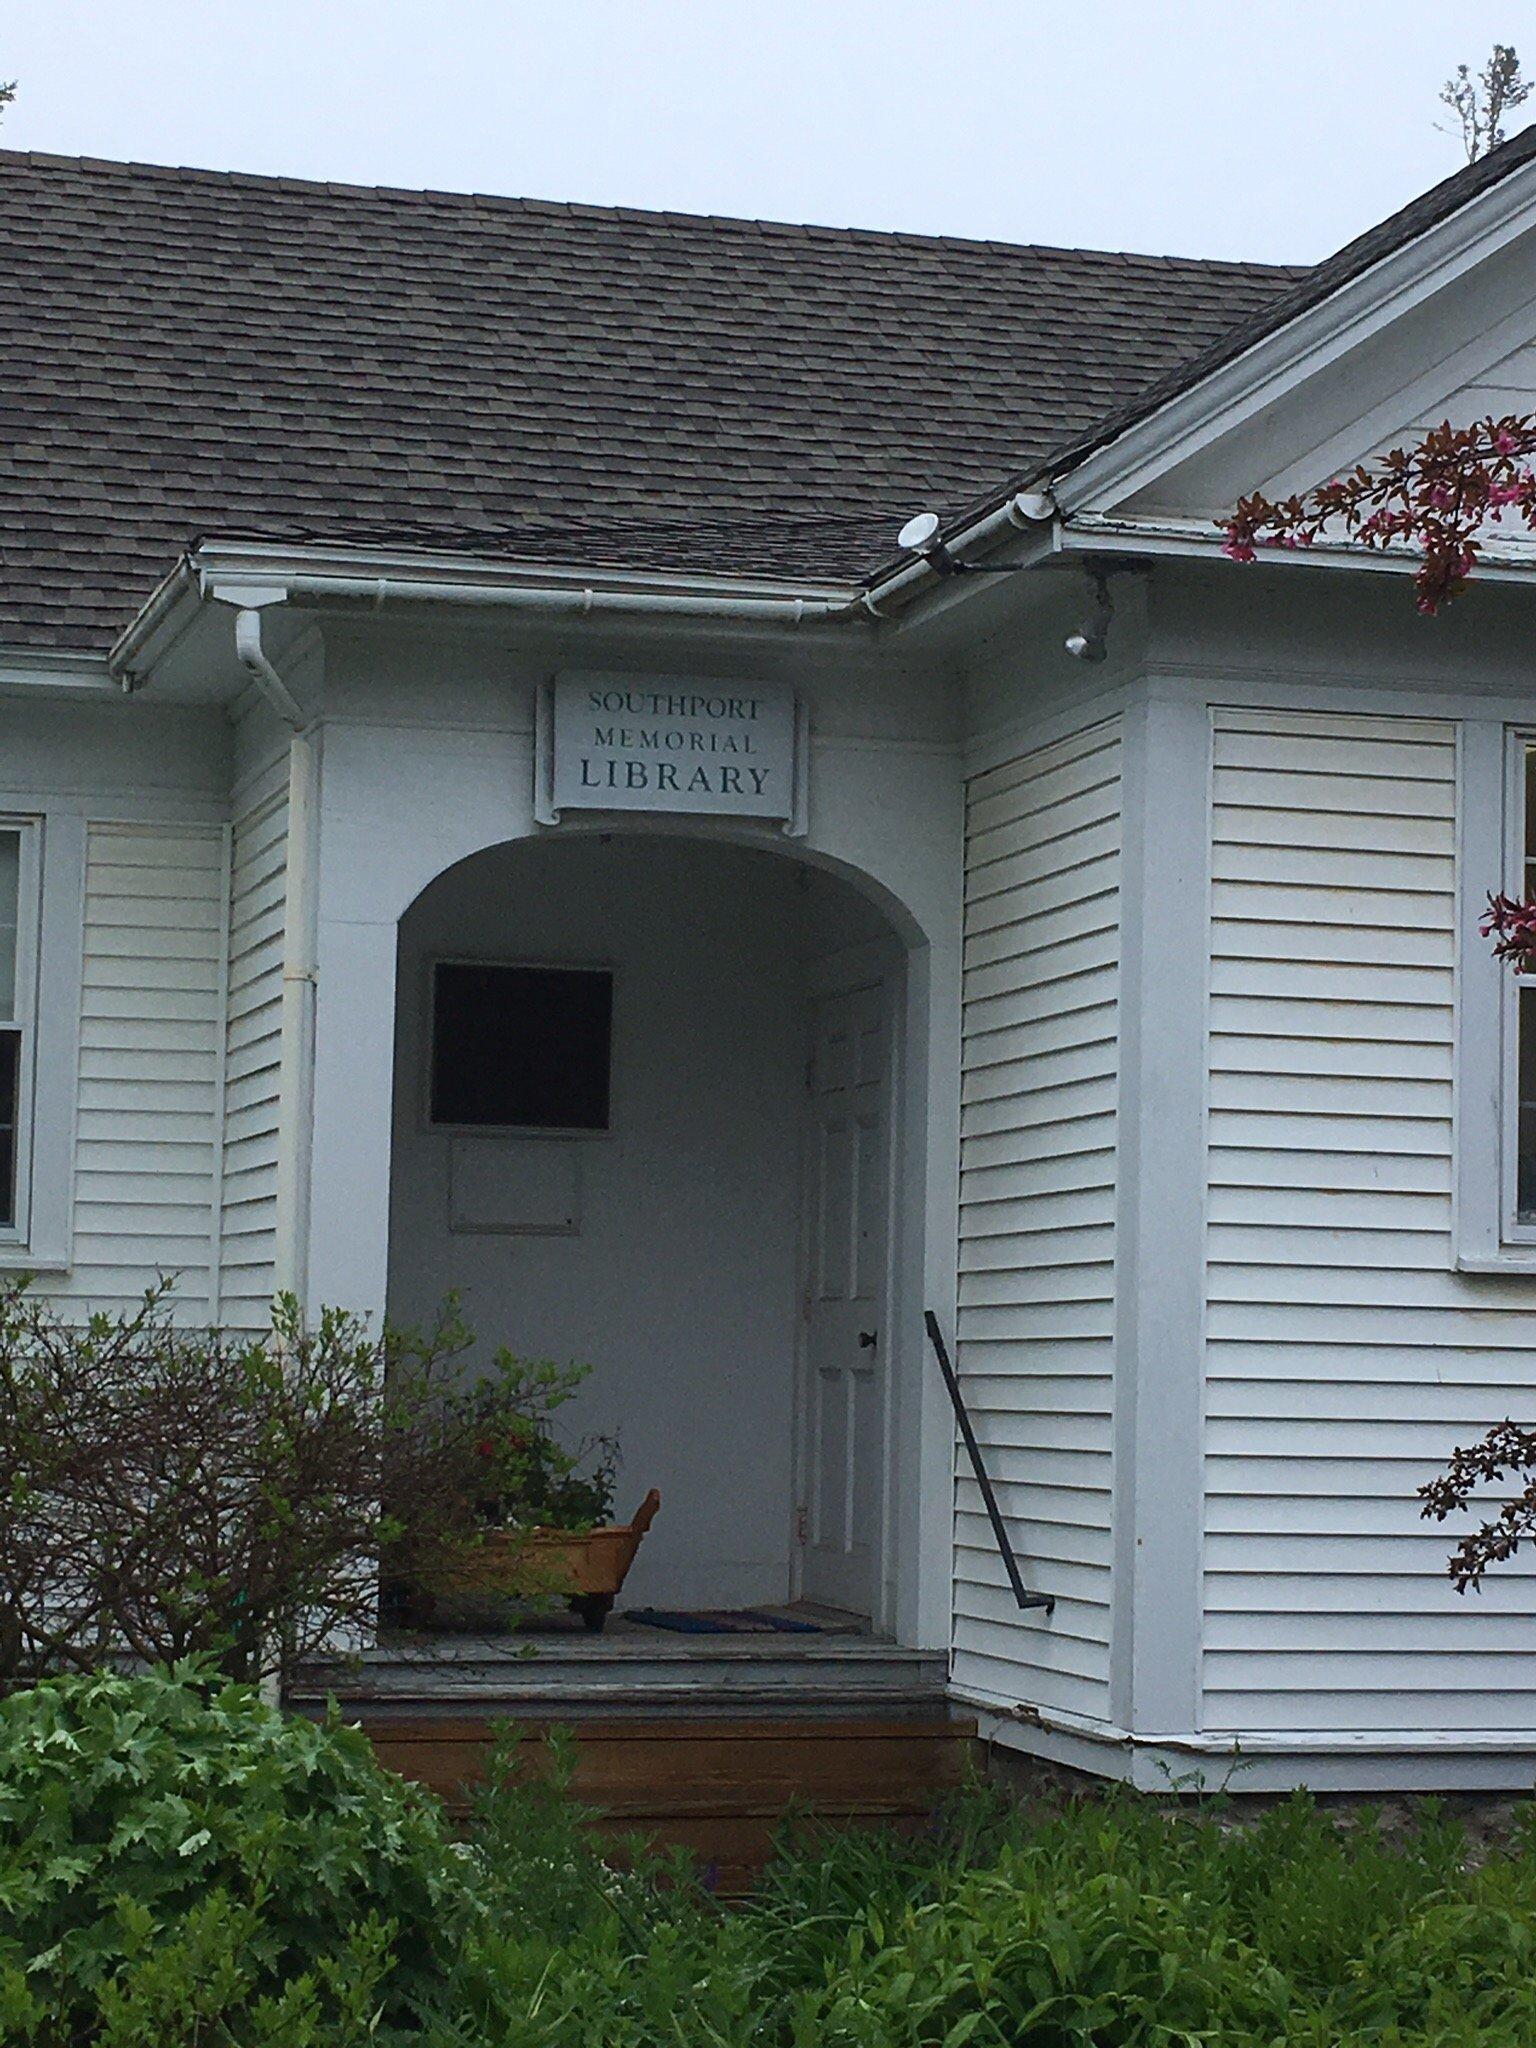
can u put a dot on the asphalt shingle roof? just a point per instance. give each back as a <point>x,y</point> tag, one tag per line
<point>192,352</point>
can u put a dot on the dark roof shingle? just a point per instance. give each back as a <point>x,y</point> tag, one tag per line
<point>187,352</point>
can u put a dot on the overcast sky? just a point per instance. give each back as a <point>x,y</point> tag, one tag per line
<point>1184,126</point>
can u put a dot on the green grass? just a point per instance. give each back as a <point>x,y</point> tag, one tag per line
<point>181,1869</point>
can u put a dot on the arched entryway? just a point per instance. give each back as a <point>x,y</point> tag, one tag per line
<point>703,1202</point>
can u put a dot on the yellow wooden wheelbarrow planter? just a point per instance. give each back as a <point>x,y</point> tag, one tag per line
<point>586,1567</point>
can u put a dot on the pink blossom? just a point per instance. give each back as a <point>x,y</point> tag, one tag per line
<point>1511,924</point>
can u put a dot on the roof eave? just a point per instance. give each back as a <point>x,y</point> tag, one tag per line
<point>1103,471</point>
<point>1197,540</point>
<point>246,572</point>
<point>1109,472</point>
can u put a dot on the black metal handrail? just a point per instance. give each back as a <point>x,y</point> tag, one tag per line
<point>1021,1592</point>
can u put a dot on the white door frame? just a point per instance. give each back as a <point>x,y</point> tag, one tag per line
<point>881,961</point>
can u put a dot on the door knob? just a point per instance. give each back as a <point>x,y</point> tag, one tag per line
<point>868,1339</point>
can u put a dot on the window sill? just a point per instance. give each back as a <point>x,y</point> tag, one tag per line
<point>1518,1260</point>
<point>16,1258</point>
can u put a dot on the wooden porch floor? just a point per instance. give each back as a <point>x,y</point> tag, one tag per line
<point>561,1672</point>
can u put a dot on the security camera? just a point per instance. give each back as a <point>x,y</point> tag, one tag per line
<point>1091,640</point>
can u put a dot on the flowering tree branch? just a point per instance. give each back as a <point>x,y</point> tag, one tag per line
<point>1507,1453</point>
<point>1511,924</point>
<point>1435,498</point>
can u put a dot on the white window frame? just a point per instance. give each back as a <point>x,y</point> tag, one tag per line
<point>1488,1237</point>
<point>50,958</point>
<point>1514,1231</point>
<point>24,1018</point>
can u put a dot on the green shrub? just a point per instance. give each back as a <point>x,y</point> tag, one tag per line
<point>181,1870</point>
<point>179,1863</point>
<point>171,1492</point>
<point>1109,1924</point>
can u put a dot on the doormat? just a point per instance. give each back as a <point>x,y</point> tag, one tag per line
<point>723,1621</point>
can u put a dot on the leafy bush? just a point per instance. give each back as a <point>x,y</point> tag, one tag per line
<point>184,1864</point>
<point>1112,1924</point>
<point>171,1492</point>
<point>527,1478</point>
<point>178,1871</point>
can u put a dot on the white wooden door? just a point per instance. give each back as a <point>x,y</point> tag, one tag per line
<point>848,1200</point>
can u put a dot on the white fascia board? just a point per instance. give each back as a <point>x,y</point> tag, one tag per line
<point>1092,533</point>
<point>244,562</point>
<point>1311,341</point>
<point>250,574</point>
<point>37,668</point>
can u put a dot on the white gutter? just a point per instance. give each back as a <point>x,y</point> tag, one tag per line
<point>157,611</point>
<point>46,668</point>
<point>384,577</point>
<point>583,601</point>
<point>253,573</point>
<point>300,992</point>
<point>1025,511</point>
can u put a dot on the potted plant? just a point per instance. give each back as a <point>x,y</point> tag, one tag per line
<point>515,1518</point>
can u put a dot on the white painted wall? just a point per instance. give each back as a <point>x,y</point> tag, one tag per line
<point>130,1048</point>
<point>1344,1356</point>
<point>679,1286</point>
<point>1295,1349</point>
<point>1038,1195</point>
<point>147,1130</point>
<point>428,759</point>
<point>253,1040</point>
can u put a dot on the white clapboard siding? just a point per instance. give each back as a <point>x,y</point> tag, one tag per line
<point>1505,387</point>
<point>1345,1356</point>
<point>145,1185</point>
<point>1036,1314</point>
<point>258,881</point>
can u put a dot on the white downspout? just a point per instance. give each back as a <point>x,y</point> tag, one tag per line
<point>252,657</point>
<point>296,1068</point>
